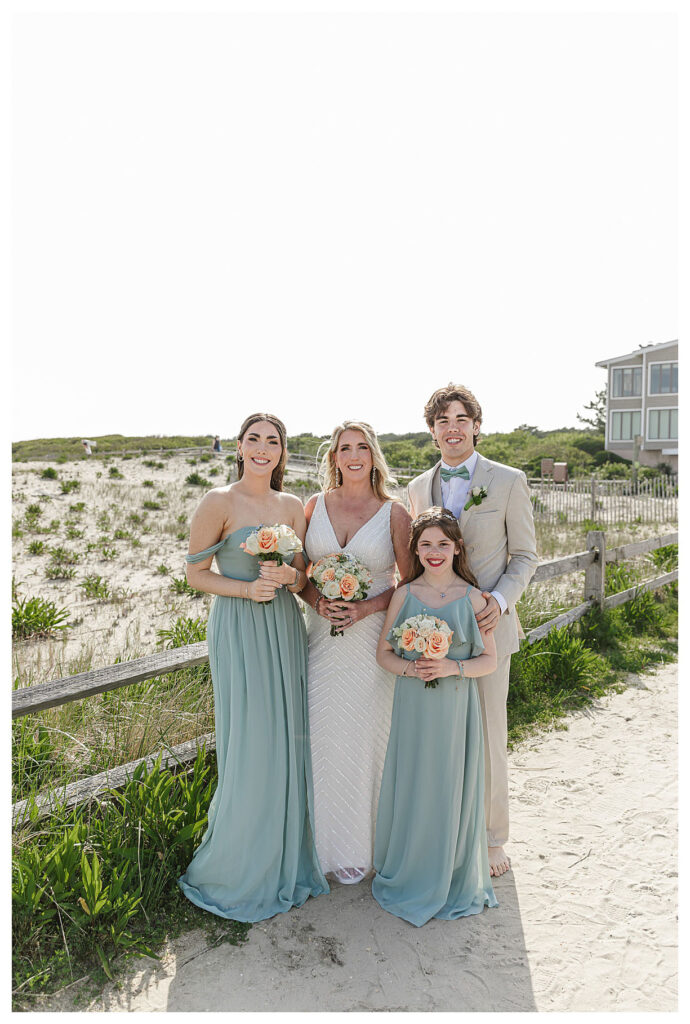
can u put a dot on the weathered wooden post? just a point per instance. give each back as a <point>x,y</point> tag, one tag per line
<point>593,508</point>
<point>595,574</point>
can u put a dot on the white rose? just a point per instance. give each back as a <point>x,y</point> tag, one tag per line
<point>420,644</point>
<point>251,545</point>
<point>476,491</point>
<point>426,625</point>
<point>288,541</point>
<point>331,590</point>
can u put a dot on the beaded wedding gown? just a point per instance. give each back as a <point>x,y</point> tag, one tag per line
<point>350,703</point>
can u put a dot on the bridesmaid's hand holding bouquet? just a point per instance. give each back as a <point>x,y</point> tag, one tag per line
<point>270,544</point>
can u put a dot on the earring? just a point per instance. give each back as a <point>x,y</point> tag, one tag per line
<point>373,477</point>
<point>240,457</point>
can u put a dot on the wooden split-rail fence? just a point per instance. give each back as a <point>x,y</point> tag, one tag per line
<point>42,696</point>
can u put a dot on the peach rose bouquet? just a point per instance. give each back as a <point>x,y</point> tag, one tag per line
<point>272,543</point>
<point>342,577</point>
<point>424,636</point>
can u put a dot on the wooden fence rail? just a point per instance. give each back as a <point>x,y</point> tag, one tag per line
<point>61,691</point>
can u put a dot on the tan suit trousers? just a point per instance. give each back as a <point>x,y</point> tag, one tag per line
<point>493,694</point>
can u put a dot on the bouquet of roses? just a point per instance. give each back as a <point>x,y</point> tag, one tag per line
<point>271,543</point>
<point>425,636</point>
<point>343,577</point>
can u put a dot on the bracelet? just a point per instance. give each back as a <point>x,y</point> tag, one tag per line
<point>316,606</point>
<point>461,670</point>
<point>404,671</point>
<point>296,579</point>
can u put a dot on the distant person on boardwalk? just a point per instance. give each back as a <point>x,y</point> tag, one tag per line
<point>492,505</point>
<point>88,445</point>
<point>216,444</point>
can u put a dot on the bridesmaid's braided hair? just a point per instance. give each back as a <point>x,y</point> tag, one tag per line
<point>446,521</point>
<point>279,471</point>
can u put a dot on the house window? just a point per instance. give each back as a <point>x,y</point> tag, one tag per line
<point>663,379</point>
<point>625,425</point>
<point>627,382</point>
<point>662,425</point>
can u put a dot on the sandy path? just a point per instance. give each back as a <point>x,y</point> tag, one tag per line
<point>587,919</point>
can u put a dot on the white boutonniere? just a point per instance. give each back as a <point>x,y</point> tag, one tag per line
<point>477,495</point>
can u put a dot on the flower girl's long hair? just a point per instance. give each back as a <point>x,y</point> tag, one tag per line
<point>446,521</point>
<point>380,473</point>
<point>279,472</point>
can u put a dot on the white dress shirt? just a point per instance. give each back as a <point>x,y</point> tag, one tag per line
<point>455,493</point>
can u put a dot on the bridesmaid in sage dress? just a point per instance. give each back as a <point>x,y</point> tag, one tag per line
<point>257,857</point>
<point>430,854</point>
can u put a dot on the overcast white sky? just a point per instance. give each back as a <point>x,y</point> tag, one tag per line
<point>329,215</point>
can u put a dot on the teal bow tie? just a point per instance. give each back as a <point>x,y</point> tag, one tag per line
<point>448,474</point>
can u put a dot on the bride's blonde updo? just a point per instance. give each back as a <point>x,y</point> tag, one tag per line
<point>380,473</point>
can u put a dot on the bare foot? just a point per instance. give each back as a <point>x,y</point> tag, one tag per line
<point>499,862</point>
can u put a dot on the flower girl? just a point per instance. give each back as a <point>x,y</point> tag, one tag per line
<point>430,854</point>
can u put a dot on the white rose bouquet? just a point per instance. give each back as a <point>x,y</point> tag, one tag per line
<point>342,577</point>
<point>272,543</point>
<point>424,636</point>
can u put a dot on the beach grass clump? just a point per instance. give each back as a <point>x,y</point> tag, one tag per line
<point>114,473</point>
<point>179,585</point>
<point>152,506</point>
<point>98,885</point>
<point>37,617</point>
<point>108,554</point>
<point>49,473</point>
<point>163,569</point>
<point>184,630</point>
<point>67,486</point>
<point>94,586</point>
<point>37,547</point>
<point>147,483</point>
<point>32,515</point>
<point>78,507</point>
<point>574,665</point>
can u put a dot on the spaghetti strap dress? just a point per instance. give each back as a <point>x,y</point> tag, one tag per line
<point>257,857</point>
<point>430,854</point>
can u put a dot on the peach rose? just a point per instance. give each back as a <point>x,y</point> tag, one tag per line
<point>407,639</point>
<point>267,540</point>
<point>437,645</point>
<point>327,574</point>
<point>348,586</point>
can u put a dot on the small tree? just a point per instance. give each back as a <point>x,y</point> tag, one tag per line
<point>597,407</point>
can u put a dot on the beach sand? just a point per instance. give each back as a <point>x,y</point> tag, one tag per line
<point>587,917</point>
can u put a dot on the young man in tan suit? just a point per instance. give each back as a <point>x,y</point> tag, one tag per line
<point>492,505</point>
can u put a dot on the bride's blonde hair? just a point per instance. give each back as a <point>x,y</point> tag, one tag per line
<point>380,473</point>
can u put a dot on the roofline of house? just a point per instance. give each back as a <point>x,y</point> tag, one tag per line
<point>637,352</point>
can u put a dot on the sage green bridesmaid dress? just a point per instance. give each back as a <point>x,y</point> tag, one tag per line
<point>430,853</point>
<point>257,857</point>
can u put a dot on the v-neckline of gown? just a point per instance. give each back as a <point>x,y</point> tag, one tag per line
<point>343,547</point>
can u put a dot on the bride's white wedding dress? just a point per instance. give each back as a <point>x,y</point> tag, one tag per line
<point>350,705</point>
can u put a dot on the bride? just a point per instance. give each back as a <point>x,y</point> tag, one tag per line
<point>350,697</point>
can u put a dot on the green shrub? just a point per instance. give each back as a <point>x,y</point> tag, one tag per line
<point>665,558</point>
<point>115,474</point>
<point>78,507</point>
<point>67,486</point>
<point>32,513</point>
<point>163,570</point>
<point>49,473</point>
<point>122,535</point>
<point>147,483</point>
<point>72,533</point>
<point>34,616</point>
<point>196,480</point>
<point>152,506</point>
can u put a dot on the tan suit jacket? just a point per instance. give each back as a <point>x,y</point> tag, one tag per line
<point>498,535</point>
